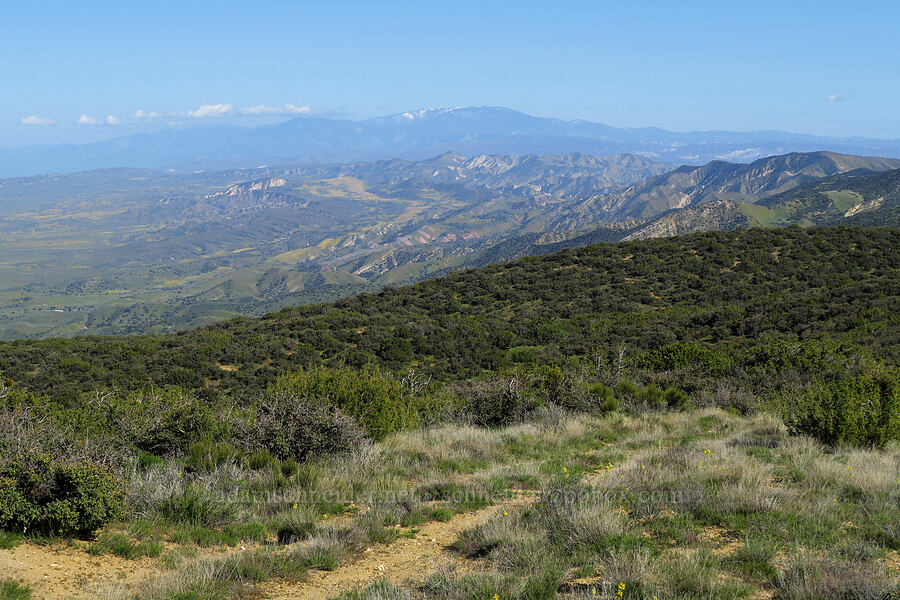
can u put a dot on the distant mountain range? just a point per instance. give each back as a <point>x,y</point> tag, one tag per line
<point>138,250</point>
<point>415,135</point>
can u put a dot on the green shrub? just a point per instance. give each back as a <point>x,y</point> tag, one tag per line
<point>162,422</point>
<point>859,410</point>
<point>683,355</point>
<point>295,527</point>
<point>377,402</point>
<point>289,467</point>
<point>497,401</point>
<point>261,459</point>
<point>604,398</point>
<point>626,390</point>
<point>204,456</point>
<point>41,496</point>
<point>653,397</point>
<point>676,399</point>
<point>145,461</point>
<point>193,507</point>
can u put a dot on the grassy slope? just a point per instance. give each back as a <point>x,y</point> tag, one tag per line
<point>701,504</point>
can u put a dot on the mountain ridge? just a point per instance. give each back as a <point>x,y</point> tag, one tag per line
<point>858,197</point>
<point>689,185</point>
<point>470,130</point>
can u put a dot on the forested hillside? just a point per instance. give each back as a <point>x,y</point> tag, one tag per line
<point>726,290</point>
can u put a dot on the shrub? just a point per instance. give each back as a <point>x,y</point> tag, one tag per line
<point>193,507</point>
<point>682,355</point>
<point>295,527</point>
<point>290,427</point>
<point>204,456</point>
<point>162,421</point>
<point>377,402</point>
<point>861,410</point>
<point>262,459</point>
<point>497,401</point>
<point>39,495</point>
<point>605,398</point>
<point>653,397</point>
<point>676,399</point>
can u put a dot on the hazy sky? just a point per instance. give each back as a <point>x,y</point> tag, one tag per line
<point>821,67</point>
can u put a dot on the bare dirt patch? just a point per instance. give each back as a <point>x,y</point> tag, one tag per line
<point>57,572</point>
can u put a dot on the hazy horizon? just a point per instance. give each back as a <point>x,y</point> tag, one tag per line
<point>100,70</point>
<point>237,120</point>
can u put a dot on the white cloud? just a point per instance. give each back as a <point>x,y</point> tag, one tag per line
<point>201,112</point>
<point>210,110</point>
<point>109,120</point>
<point>36,120</point>
<point>287,109</point>
<point>834,97</point>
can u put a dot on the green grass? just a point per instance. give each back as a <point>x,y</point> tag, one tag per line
<point>753,559</point>
<point>230,535</point>
<point>12,590</point>
<point>9,540</point>
<point>124,547</point>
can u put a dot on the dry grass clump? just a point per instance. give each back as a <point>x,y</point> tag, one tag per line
<point>699,479</point>
<point>638,568</point>
<point>696,575</point>
<point>380,590</point>
<point>815,577</point>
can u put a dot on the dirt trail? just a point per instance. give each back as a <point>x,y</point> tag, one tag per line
<point>403,560</point>
<point>57,573</point>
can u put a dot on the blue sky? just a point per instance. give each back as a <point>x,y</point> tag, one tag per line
<point>817,67</point>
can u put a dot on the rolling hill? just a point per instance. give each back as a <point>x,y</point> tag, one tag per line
<point>128,251</point>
